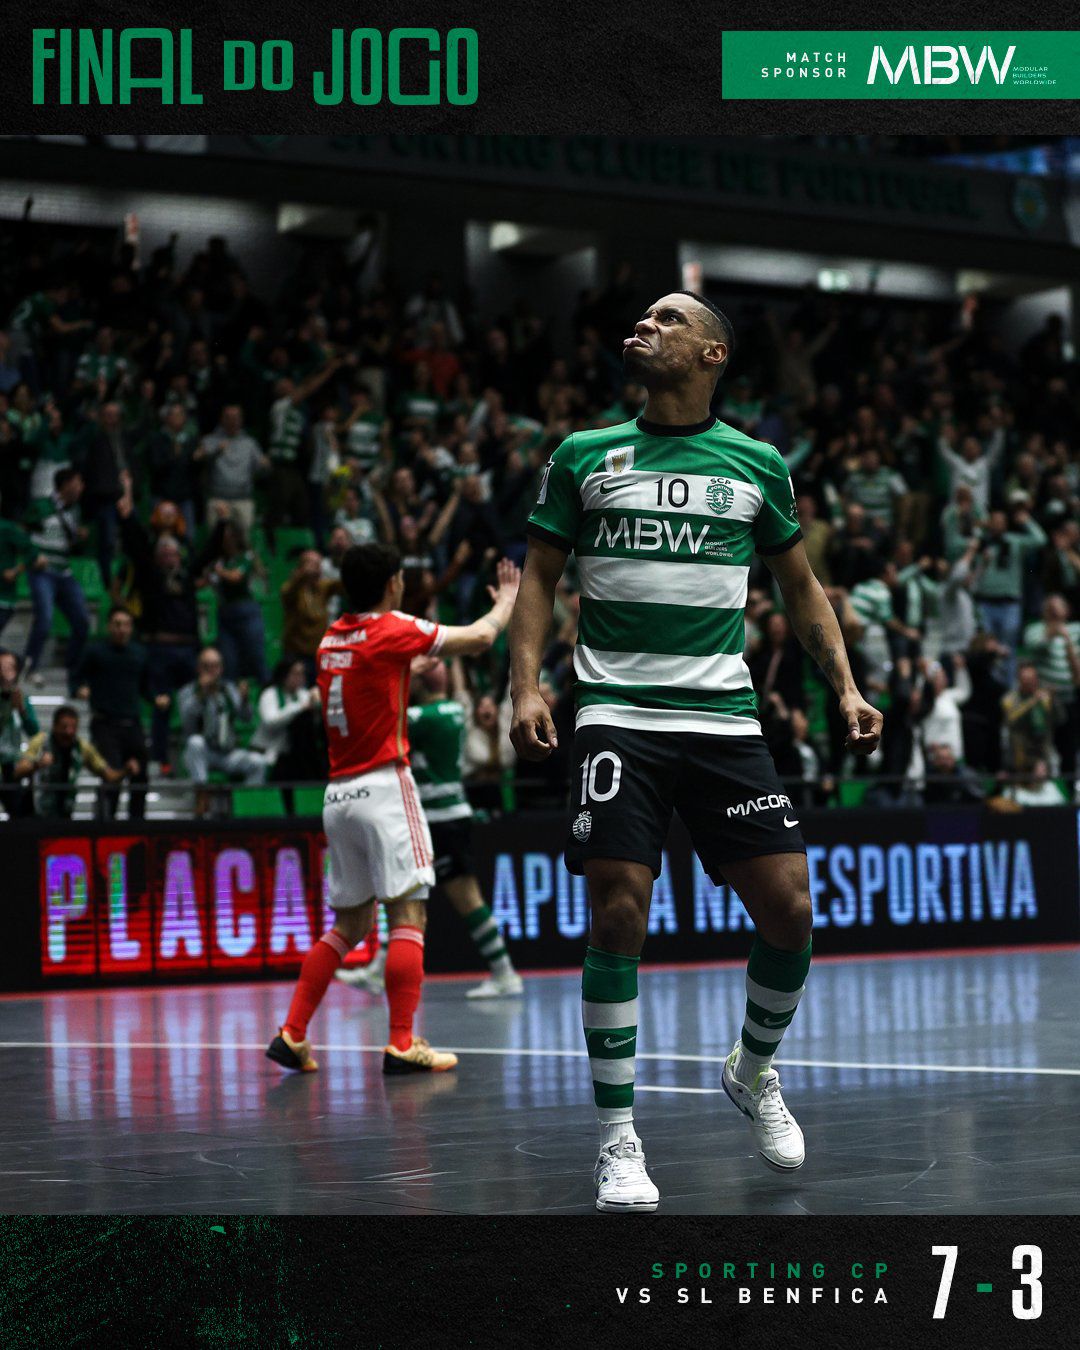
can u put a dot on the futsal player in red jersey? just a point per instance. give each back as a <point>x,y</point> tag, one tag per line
<point>379,844</point>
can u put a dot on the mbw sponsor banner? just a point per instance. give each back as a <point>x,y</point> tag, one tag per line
<point>896,64</point>
<point>215,903</point>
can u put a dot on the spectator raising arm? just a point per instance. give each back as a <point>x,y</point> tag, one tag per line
<point>459,685</point>
<point>316,380</point>
<point>445,516</point>
<point>275,715</point>
<point>961,688</point>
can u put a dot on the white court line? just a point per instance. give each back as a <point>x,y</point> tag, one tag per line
<point>510,1051</point>
<point>659,1087</point>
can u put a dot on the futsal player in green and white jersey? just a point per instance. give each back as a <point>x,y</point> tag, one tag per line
<point>437,727</point>
<point>664,515</point>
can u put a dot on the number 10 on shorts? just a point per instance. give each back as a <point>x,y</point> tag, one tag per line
<point>594,772</point>
<point>1026,1301</point>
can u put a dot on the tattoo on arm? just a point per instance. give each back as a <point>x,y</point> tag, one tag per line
<point>824,656</point>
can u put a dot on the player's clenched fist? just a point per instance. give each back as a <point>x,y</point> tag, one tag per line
<point>532,731</point>
<point>864,724</point>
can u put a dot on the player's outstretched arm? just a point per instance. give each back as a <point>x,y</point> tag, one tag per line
<point>479,636</point>
<point>815,625</point>
<point>532,731</point>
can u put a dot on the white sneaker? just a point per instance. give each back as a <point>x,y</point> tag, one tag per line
<point>777,1136</point>
<point>622,1184</point>
<point>509,985</point>
<point>369,978</point>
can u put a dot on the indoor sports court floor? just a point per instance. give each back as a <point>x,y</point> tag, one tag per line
<point>924,1085</point>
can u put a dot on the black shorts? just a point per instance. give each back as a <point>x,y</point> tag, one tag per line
<point>451,842</point>
<point>725,789</point>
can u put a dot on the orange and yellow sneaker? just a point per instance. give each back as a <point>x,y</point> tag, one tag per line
<point>419,1058</point>
<point>291,1054</point>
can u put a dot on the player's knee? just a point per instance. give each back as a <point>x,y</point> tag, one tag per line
<point>793,919</point>
<point>407,913</point>
<point>618,923</point>
<point>354,924</point>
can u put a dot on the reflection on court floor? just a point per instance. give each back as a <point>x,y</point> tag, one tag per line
<point>913,1079</point>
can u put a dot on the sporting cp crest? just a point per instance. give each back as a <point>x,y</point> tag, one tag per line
<point>720,494</point>
<point>620,459</point>
<point>582,826</point>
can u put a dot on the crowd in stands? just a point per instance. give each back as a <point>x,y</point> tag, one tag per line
<point>184,462</point>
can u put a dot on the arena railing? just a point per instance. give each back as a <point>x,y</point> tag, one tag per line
<point>180,798</point>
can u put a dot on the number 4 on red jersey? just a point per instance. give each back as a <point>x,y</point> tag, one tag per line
<point>363,681</point>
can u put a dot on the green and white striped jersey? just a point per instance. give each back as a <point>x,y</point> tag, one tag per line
<point>436,753</point>
<point>1051,655</point>
<point>92,364</point>
<point>664,522</point>
<point>54,532</point>
<point>364,440</point>
<point>872,601</point>
<point>287,424</point>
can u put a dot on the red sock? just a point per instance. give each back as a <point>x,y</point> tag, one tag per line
<point>315,974</point>
<point>404,975</point>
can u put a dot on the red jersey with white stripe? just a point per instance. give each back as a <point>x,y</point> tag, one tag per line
<point>363,681</point>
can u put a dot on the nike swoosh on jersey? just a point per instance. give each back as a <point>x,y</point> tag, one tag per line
<point>608,486</point>
<point>609,1044</point>
<point>790,823</point>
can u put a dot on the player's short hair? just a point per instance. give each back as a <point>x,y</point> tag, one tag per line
<point>365,570</point>
<point>64,710</point>
<point>726,332</point>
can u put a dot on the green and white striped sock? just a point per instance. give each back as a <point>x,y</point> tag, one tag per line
<point>609,1016</point>
<point>484,931</point>
<point>775,981</point>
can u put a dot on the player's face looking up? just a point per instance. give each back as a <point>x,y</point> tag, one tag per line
<point>675,341</point>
